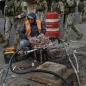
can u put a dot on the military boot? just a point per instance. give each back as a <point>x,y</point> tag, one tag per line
<point>6,44</point>
<point>79,36</point>
<point>1,39</point>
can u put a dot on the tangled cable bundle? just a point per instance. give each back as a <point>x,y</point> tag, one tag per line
<point>40,41</point>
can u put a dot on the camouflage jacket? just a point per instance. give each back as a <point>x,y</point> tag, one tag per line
<point>41,6</point>
<point>9,8</point>
<point>70,6</point>
<point>58,7</point>
<point>20,8</point>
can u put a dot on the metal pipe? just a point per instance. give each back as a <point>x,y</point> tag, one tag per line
<point>76,61</point>
<point>38,49</point>
<point>74,68</point>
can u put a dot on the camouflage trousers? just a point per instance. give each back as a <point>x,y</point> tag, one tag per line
<point>0,35</point>
<point>85,13</point>
<point>70,25</point>
<point>40,16</point>
<point>17,25</point>
<point>59,17</point>
<point>81,16</point>
<point>8,25</point>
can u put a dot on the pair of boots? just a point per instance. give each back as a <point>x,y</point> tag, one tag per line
<point>6,44</point>
<point>79,37</point>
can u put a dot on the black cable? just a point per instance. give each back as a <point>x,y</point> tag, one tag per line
<point>37,70</point>
<point>9,67</point>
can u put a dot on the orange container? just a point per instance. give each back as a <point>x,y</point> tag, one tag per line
<point>52,25</point>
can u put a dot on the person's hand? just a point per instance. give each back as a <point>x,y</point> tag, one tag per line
<point>17,17</point>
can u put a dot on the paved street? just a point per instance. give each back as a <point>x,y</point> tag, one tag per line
<point>71,39</point>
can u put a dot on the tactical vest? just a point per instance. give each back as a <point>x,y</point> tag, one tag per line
<point>18,8</point>
<point>70,9</point>
<point>57,8</point>
<point>9,8</point>
<point>40,6</point>
<point>28,29</point>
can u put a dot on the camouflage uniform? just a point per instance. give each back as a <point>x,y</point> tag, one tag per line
<point>70,5</point>
<point>81,10</point>
<point>20,17</point>
<point>41,9</point>
<point>9,13</point>
<point>84,9</point>
<point>58,7</point>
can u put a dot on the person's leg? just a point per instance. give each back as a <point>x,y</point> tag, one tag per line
<point>77,31</point>
<point>8,25</point>
<point>17,27</point>
<point>68,27</point>
<point>81,18</point>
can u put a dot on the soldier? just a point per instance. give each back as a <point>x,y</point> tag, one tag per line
<point>1,38</point>
<point>41,9</point>
<point>9,19</point>
<point>20,17</point>
<point>70,10</point>
<point>58,7</point>
<point>81,10</point>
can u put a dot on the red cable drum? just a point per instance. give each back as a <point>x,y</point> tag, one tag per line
<point>52,25</point>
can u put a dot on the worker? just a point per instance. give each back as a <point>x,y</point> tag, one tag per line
<point>31,28</point>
